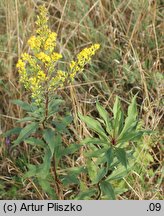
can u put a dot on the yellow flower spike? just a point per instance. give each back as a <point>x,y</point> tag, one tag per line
<point>42,18</point>
<point>37,70</point>
<point>82,59</point>
<point>42,26</point>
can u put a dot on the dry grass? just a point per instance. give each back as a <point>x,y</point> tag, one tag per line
<point>130,60</point>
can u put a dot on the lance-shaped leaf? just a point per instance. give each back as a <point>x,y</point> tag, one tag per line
<point>104,114</point>
<point>108,190</point>
<point>94,125</point>
<point>43,169</point>
<point>121,156</point>
<point>26,119</point>
<point>92,170</point>
<point>109,156</point>
<point>34,141</point>
<point>26,132</point>
<point>54,142</point>
<point>130,136</point>
<point>130,121</point>
<point>120,172</point>
<point>23,105</point>
<point>93,141</point>
<point>118,118</point>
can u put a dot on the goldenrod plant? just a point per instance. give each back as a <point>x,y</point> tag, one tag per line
<point>39,73</point>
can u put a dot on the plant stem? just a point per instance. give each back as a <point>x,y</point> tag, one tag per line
<point>58,184</point>
<point>46,105</point>
<point>99,191</point>
<point>46,108</point>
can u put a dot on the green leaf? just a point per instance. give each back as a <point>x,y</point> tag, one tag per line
<point>71,149</point>
<point>76,170</point>
<point>16,130</point>
<point>32,170</point>
<point>67,120</point>
<point>107,189</point>
<point>44,168</point>
<point>54,142</point>
<point>94,125</point>
<point>118,118</point>
<point>109,156</point>
<point>104,114</point>
<point>23,105</point>
<point>132,109</point>
<point>96,153</point>
<point>54,106</point>
<point>45,185</point>
<point>34,141</point>
<point>116,107</point>
<point>120,172</point>
<point>50,139</point>
<point>130,121</point>
<point>130,136</point>
<point>86,195</point>
<point>26,132</point>
<point>41,170</point>
<point>121,156</point>
<point>26,119</point>
<point>92,170</point>
<point>92,141</point>
<point>62,124</point>
<point>58,147</point>
<point>70,179</point>
<point>100,174</point>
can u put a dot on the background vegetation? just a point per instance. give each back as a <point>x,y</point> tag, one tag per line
<point>130,60</point>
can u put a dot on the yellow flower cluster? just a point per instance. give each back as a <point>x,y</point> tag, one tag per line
<point>22,71</point>
<point>50,42</point>
<point>35,43</point>
<point>43,57</point>
<point>42,20</point>
<point>37,70</point>
<point>82,59</point>
<point>45,39</point>
<point>36,88</point>
<point>58,80</point>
